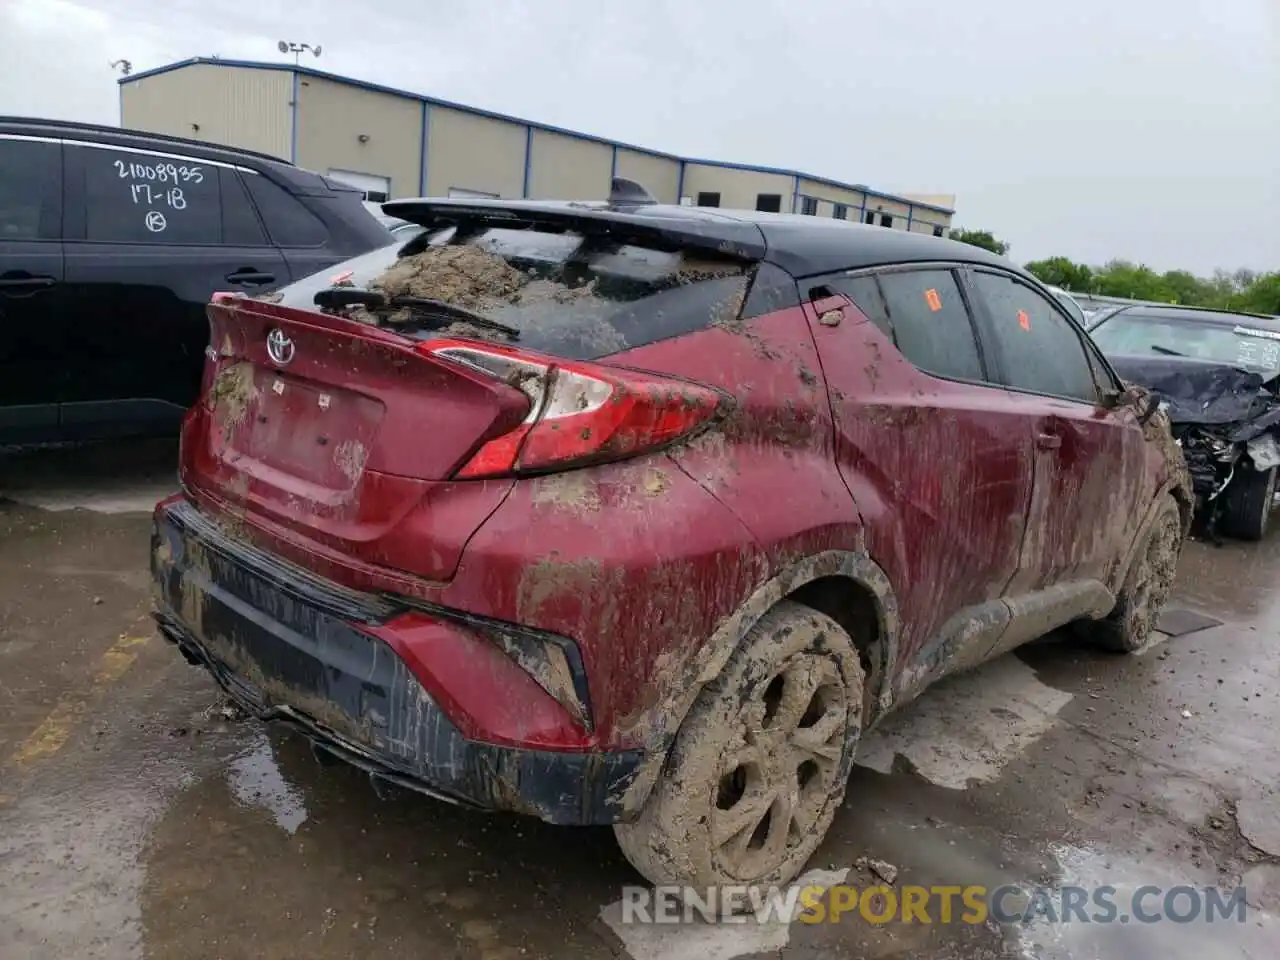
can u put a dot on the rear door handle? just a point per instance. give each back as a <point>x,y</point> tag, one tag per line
<point>1048,441</point>
<point>250,278</point>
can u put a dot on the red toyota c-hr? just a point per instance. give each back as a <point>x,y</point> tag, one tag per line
<point>632,514</point>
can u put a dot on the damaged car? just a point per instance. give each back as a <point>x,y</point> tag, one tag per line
<point>632,514</point>
<point>1216,375</point>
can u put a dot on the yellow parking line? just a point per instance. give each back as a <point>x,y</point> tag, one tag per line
<point>53,733</point>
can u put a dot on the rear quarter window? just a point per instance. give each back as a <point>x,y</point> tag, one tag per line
<point>562,294</point>
<point>289,222</point>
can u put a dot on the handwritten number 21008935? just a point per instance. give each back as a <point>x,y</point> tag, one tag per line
<point>161,172</point>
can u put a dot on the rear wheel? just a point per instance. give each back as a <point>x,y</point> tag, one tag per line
<point>1246,507</point>
<point>759,767</point>
<point>1147,587</point>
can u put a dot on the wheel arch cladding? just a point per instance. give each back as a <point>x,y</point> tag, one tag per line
<point>813,577</point>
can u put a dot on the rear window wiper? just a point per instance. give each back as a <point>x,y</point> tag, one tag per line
<point>448,311</point>
<point>1167,351</point>
<point>338,298</point>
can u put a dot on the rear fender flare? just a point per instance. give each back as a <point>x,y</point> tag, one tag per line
<point>711,659</point>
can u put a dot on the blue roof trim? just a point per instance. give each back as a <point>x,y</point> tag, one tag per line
<point>532,124</point>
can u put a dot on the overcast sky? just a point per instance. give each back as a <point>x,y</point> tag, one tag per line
<point>1144,129</point>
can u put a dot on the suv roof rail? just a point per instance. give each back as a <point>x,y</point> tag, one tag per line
<point>146,134</point>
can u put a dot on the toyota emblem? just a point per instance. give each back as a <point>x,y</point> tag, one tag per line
<point>279,347</point>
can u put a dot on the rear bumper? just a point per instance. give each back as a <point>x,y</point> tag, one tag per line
<point>293,648</point>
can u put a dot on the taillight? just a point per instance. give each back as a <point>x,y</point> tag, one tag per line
<point>578,412</point>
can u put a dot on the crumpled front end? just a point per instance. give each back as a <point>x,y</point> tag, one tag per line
<point>1226,421</point>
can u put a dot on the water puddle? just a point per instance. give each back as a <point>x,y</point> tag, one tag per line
<point>255,781</point>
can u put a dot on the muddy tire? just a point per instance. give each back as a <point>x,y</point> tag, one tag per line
<point>1147,587</point>
<point>1246,505</point>
<point>760,765</point>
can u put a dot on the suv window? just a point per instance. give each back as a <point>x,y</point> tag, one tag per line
<point>137,197</point>
<point>559,294</point>
<point>30,188</point>
<point>930,322</point>
<point>1039,349</point>
<point>288,221</point>
<point>865,293</point>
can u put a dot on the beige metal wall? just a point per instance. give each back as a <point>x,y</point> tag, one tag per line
<point>659,175</point>
<point>332,117</point>
<point>829,195</point>
<point>737,188</point>
<point>252,108</point>
<point>925,226</point>
<point>568,168</point>
<point>233,106</point>
<point>472,152</point>
<point>895,208</point>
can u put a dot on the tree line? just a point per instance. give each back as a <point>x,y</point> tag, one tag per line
<point>1244,290</point>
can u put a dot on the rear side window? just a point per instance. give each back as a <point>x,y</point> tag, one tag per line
<point>30,188</point>
<point>930,323</point>
<point>1039,350</point>
<point>138,197</point>
<point>561,293</point>
<point>288,221</point>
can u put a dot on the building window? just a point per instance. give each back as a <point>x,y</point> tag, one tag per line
<point>937,231</point>
<point>809,206</point>
<point>869,217</point>
<point>841,212</point>
<point>708,199</point>
<point>769,202</point>
<point>886,220</point>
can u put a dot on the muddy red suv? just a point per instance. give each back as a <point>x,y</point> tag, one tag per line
<point>630,514</point>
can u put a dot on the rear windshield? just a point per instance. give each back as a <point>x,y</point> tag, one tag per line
<point>555,292</point>
<point>1246,347</point>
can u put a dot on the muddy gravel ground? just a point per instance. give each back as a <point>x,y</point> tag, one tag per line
<point>138,818</point>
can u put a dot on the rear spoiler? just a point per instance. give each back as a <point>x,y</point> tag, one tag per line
<point>671,229</point>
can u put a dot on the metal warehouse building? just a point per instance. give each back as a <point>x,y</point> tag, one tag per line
<point>391,143</point>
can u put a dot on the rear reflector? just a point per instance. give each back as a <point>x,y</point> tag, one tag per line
<point>579,413</point>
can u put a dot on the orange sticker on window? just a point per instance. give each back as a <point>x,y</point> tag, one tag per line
<point>1024,321</point>
<point>931,297</point>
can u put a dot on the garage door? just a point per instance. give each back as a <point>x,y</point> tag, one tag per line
<point>377,189</point>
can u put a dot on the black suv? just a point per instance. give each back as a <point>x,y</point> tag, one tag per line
<point>111,244</point>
